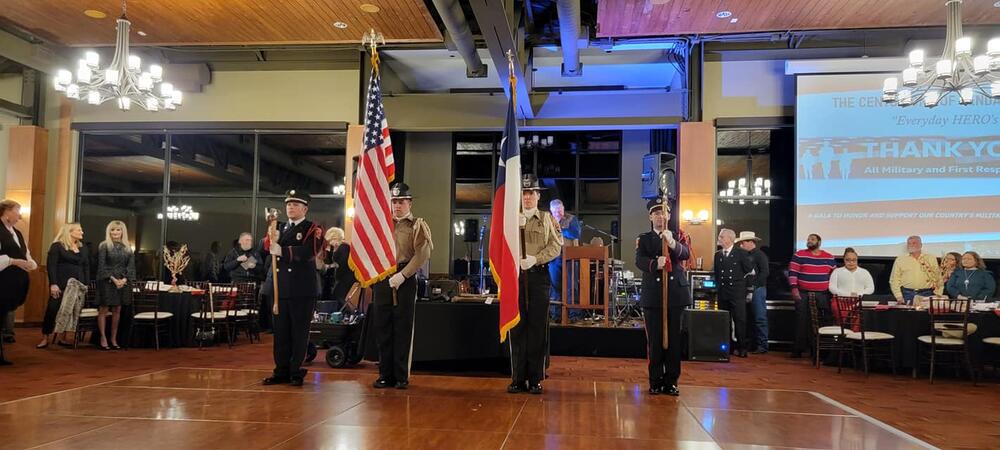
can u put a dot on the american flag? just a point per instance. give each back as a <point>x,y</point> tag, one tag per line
<point>373,243</point>
<point>505,234</point>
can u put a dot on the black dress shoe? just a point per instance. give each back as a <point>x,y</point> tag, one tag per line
<point>742,353</point>
<point>4,362</point>
<point>535,388</point>
<point>9,340</point>
<point>382,383</point>
<point>670,390</point>
<point>655,390</point>
<point>296,381</point>
<point>402,385</point>
<point>759,351</point>
<point>275,380</point>
<point>516,388</point>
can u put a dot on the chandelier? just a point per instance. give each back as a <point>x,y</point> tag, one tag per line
<point>747,188</point>
<point>184,213</point>
<point>956,71</point>
<point>123,80</point>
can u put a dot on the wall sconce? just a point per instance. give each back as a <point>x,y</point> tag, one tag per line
<point>459,228</point>
<point>689,217</point>
<point>350,212</point>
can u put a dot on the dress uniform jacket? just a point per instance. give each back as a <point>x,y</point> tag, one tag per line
<point>731,271</point>
<point>297,275</point>
<point>649,246</point>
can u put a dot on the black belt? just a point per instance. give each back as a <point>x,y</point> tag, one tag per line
<point>539,268</point>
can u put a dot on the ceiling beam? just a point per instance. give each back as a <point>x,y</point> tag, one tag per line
<point>492,17</point>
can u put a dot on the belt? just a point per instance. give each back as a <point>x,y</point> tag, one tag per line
<point>401,264</point>
<point>539,268</point>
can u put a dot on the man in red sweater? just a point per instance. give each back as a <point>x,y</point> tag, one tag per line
<point>809,273</point>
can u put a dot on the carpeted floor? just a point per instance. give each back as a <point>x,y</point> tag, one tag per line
<point>951,413</point>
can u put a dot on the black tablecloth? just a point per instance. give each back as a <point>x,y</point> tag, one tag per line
<point>907,325</point>
<point>181,325</point>
<point>452,331</point>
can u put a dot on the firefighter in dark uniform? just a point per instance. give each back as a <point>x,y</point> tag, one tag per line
<point>396,297</point>
<point>664,364</point>
<point>296,244</point>
<point>732,266</point>
<point>542,243</point>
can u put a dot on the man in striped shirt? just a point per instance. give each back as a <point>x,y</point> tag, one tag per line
<point>809,274</point>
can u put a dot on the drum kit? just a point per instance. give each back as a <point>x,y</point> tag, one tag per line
<point>625,290</point>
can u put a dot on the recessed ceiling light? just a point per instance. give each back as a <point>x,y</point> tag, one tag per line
<point>734,20</point>
<point>340,25</point>
<point>95,14</point>
<point>723,14</point>
<point>141,33</point>
<point>369,8</point>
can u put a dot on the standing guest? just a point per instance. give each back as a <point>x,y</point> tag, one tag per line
<point>915,273</point>
<point>851,280</point>
<point>337,274</point>
<point>15,263</point>
<point>210,263</point>
<point>115,272</point>
<point>570,229</point>
<point>295,244</point>
<point>242,262</point>
<point>973,280</point>
<point>757,283</point>
<point>732,265</point>
<point>67,260</point>
<point>395,298</point>
<point>949,263</point>
<point>664,363</point>
<point>809,273</point>
<point>542,244</point>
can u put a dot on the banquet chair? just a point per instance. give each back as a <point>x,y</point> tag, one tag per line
<point>872,344</point>
<point>219,314</point>
<point>949,334</point>
<point>247,316</point>
<point>829,337</point>
<point>146,313</point>
<point>88,315</point>
<point>993,348</point>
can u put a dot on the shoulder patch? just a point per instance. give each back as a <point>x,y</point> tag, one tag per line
<point>636,243</point>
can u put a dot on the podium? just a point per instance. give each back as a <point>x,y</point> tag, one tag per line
<point>580,260</point>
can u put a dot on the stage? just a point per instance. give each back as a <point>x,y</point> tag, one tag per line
<point>228,408</point>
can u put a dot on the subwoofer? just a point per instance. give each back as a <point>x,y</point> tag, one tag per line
<point>708,333</point>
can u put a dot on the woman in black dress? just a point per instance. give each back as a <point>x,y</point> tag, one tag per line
<point>67,259</point>
<point>115,272</point>
<point>337,275</point>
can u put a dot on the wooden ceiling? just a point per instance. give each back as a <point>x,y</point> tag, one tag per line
<point>633,18</point>
<point>222,22</point>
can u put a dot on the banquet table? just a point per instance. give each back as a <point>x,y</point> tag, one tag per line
<point>908,324</point>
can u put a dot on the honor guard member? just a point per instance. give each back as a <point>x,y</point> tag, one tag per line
<point>732,266</point>
<point>295,248</point>
<point>664,363</point>
<point>396,297</point>
<point>542,242</point>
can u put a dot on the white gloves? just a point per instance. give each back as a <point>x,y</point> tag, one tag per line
<point>660,262</point>
<point>396,280</point>
<point>528,262</point>
<point>522,220</point>
<point>669,236</point>
<point>275,249</point>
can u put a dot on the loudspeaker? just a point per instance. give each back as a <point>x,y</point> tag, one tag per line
<point>659,176</point>
<point>708,332</point>
<point>471,230</point>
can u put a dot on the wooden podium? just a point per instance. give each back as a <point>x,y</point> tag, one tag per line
<point>579,260</point>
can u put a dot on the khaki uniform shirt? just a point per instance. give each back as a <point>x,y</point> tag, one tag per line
<point>413,244</point>
<point>542,237</point>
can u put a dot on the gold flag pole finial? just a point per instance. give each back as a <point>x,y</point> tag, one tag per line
<point>512,78</point>
<point>373,39</point>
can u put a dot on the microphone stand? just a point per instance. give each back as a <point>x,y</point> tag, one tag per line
<point>482,276</point>
<point>604,233</point>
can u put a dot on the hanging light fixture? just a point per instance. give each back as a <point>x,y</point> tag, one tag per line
<point>748,189</point>
<point>123,80</point>
<point>958,71</point>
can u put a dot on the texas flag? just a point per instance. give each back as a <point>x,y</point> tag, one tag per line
<point>505,237</point>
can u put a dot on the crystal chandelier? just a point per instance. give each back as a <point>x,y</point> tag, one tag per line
<point>747,189</point>
<point>123,80</point>
<point>956,71</point>
<point>184,213</point>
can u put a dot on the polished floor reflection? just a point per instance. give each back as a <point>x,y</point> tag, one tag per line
<point>220,409</point>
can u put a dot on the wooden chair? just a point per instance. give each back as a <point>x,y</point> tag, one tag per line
<point>221,313</point>
<point>88,315</point>
<point>579,260</point>
<point>828,337</point>
<point>874,344</point>
<point>146,313</point>
<point>949,334</point>
<point>247,315</point>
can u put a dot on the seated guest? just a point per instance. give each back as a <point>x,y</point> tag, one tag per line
<point>243,263</point>
<point>67,260</point>
<point>915,273</point>
<point>851,280</point>
<point>948,265</point>
<point>337,275</point>
<point>972,280</point>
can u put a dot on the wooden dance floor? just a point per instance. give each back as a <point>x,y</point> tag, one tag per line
<point>220,408</point>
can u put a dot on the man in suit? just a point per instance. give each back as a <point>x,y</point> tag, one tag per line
<point>732,265</point>
<point>295,244</point>
<point>664,363</point>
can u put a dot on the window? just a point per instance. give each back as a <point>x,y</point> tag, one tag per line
<point>220,164</point>
<point>123,163</point>
<point>139,215</point>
